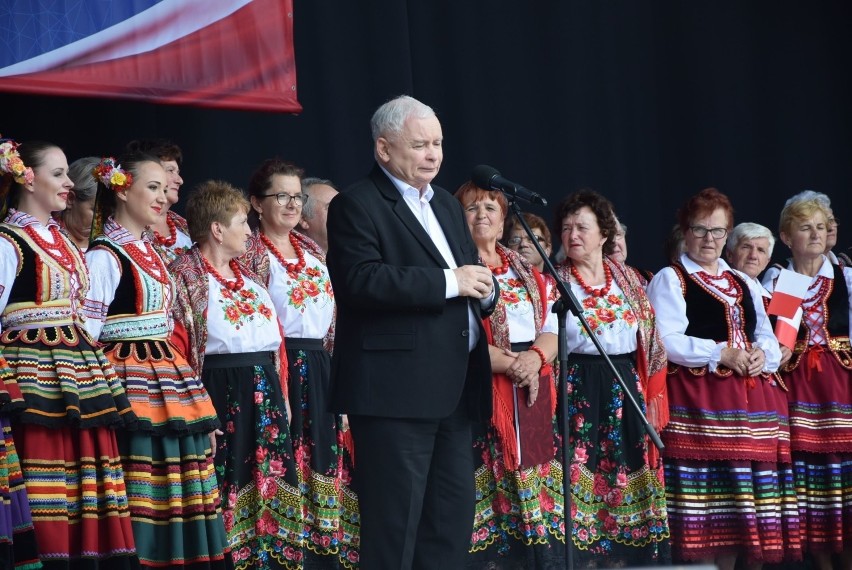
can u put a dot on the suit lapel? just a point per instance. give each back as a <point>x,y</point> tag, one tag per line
<point>401,209</point>
<point>445,218</point>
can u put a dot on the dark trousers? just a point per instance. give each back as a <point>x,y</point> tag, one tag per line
<point>414,480</point>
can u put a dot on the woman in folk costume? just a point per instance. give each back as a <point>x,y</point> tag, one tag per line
<point>518,482</point>
<point>819,376</point>
<point>170,233</point>
<point>17,536</point>
<point>168,459</point>
<point>618,501</point>
<point>74,400</point>
<point>727,457</point>
<point>293,269</point>
<point>226,323</point>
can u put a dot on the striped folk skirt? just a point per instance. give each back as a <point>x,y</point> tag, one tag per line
<point>820,400</point>
<point>77,496</point>
<point>68,448</point>
<point>168,460</point>
<point>728,472</point>
<point>17,536</point>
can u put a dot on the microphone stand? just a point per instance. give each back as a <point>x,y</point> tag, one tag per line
<point>568,302</point>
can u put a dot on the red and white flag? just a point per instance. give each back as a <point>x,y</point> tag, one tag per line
<point>234,54</point>
<point>790,288</point>
<point>786,330</point>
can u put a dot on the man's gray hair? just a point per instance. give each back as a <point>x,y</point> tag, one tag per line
<point>308,205</point>
<point>749,230</point>
<point>389,119</point>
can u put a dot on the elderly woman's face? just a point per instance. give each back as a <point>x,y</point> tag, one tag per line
<point>831,237</point>
<point>619,252</point>
<point>236,234</point>
<point>78,215</point>
<point>751,256</point>
<point>705,250</point>
<point>485,219</point>
<point>581,235</point>
<point>520,242</point>
<point>806,237</point>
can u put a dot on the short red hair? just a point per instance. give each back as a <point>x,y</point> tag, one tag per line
<point>470,192</point>
<point>703,204</point>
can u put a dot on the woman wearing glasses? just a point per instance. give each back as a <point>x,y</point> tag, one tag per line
<point>727,459</point>
<point>517,239</point>
<point>292,267</point>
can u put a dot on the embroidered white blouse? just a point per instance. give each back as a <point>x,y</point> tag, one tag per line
<point>305,305</point>
<point>240,321</point>
<point>519,311</point>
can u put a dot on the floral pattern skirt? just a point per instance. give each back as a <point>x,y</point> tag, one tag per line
<point>255,465</point>
<point>618,501</point>
<point>330,504</point>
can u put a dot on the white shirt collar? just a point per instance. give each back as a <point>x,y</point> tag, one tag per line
<point>404,188</point>
<point>692,267</point>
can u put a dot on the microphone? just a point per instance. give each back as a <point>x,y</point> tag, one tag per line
<point>489,178</point>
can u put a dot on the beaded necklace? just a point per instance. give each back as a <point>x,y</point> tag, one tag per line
<point>232,285</point>
<point>821,290</point>
<point>730,287</point>
<point>591,290</point>
<point>167,241</point>
<point>504,267</point>
<point>58,250</point>
<point>148,260</point>
<point>293,269</point>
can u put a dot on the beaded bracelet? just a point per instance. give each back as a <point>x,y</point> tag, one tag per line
<point>541,354</point>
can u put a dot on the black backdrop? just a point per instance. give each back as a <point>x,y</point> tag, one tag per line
<point>646,102</point>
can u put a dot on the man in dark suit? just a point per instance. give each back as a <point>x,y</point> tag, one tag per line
<point>410,364</point>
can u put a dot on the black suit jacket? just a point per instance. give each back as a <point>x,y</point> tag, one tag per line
<point>401,348</point>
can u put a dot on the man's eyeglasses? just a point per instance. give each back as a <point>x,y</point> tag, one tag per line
<point>701,231</point>
<point>284,199</point>
<point>516,241</point>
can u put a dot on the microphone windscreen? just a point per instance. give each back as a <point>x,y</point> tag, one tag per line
<point>483,175</point>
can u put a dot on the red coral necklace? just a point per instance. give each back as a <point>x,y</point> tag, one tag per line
<point>293,269</point>
<point>150,262</point>
<point>58,250</point>
<point>591,290</point>
<point>504,267</point>
<point>232,285</point>
<point>820,290</point>
<point>725,283</point>
<point>172,239</point>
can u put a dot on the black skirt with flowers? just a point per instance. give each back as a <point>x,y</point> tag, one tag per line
<point>255,465</point>
<point>618,503</point>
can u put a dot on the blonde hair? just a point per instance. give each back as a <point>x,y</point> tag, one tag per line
<point>799,210</point>
<point>213,201</point>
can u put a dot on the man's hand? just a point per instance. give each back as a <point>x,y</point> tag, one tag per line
<point>474,281</point>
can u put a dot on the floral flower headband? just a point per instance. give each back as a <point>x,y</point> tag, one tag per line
<point>11,163</point>
<point>109,173</point>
